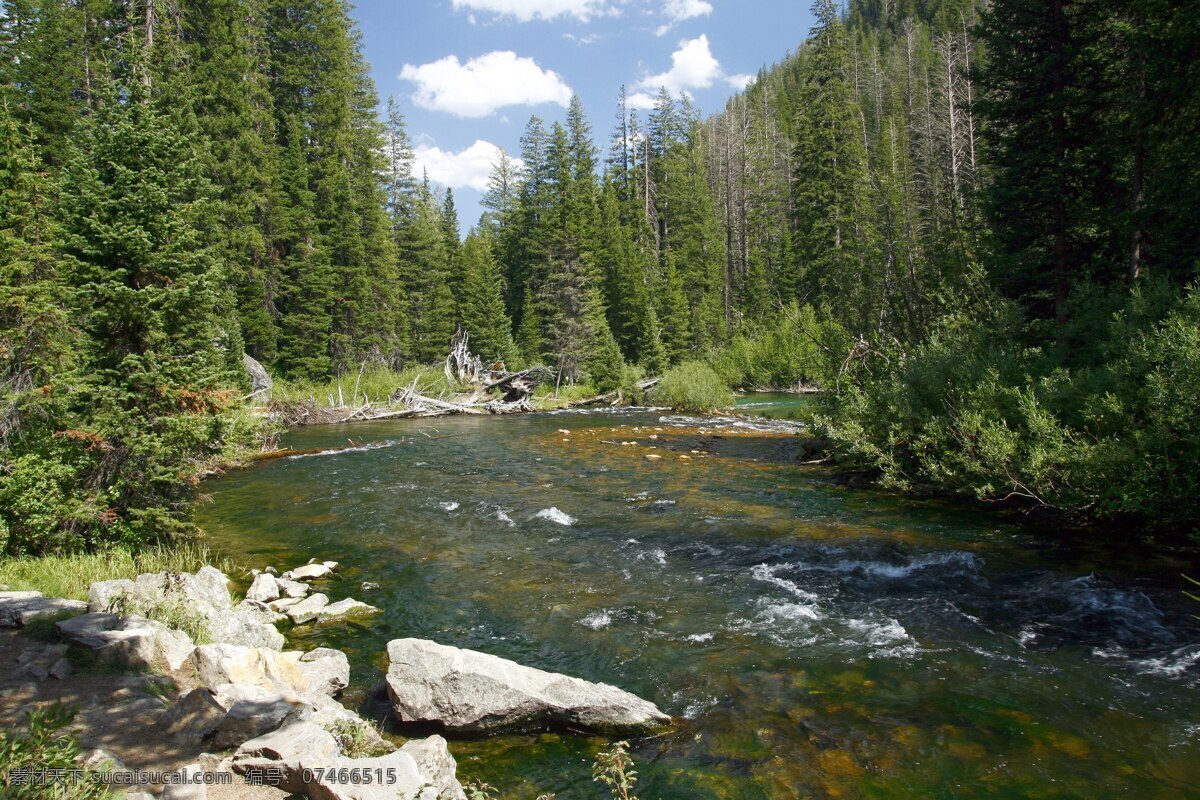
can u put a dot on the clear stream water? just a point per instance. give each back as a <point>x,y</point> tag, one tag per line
<point>810,639</point>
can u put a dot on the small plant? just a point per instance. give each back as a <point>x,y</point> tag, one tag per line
<point>355,741</point>
<point>43,749</point>
<point>614,768</point>
<point>1189,594</point>
<point>172,613</point>
<point>478,790</point>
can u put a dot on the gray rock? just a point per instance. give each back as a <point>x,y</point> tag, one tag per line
<point>194,717</point>
<point>264,589</point>
<point>327,670</point>
<point>292,743</point>
<point>290,588</point>
<point>230,693</point>
<point>219,664</point>
<point>472,692</point>
<point>61,669</point>
<point>251,624</point>
<point>346,608</point>
<point>133,641</point>
<point>18,609</point>
<point>87,624</point>
<point>187,790</point>
<point>309,609</point>
<point>437,765</point>
<point>249,719</point>
<point>283,604</point>
<point>260,379</point>
<point>310,572</point>
<point>103,595</point>
<point>131,648</point>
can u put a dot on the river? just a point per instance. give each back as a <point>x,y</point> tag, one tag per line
<point>812,640</point>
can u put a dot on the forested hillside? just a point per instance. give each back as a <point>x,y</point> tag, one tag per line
<point>974,224</point>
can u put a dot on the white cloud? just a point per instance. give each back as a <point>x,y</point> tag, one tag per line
<point>591,38</point>
<point>739,82</point>
<point>526,10</point>
<point>692,67</point>
<point>482,85</point>
<point>679,10</point>
<point>466,169</point>
<point>640,100</point>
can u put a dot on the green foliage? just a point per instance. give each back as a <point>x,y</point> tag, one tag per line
<point>614,769</point>
<point>355,740</point>
<point>46,743</point>
<point>973,412</point>
<point>692,386</point>
<point>778,355</point>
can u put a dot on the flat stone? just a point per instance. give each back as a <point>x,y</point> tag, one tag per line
<point>291,743</point>
<point>290,588</point>
<point>132,648</point>
<point>346,608</point>
<point>249,719</point>
<point>284,603</point>
<point>18,609</point>
<point>309,572</point>
<point>471,692</point>
<point>308,610</point>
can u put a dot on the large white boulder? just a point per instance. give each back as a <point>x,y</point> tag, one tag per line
<point>472,692</point>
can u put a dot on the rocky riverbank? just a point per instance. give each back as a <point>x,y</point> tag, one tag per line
<point>171,674</point>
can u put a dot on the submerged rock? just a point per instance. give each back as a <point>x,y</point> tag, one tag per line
<point>346,608</point>
<point>472,692</point>
<point>310,572</point>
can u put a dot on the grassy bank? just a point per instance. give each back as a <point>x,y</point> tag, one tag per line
<point>70,576</point>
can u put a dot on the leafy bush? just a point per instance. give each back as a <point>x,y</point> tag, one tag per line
<point>972,411</point>
<point>778,355</point>
<point>692,386</point>
<point>45,744</point>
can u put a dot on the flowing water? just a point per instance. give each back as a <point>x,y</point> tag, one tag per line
<point>811,640</point>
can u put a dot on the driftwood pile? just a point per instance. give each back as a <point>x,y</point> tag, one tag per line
<point>494,390</point>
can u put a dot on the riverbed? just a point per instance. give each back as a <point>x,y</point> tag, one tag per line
<point>812,640</point>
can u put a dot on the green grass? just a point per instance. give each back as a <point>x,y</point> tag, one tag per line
<point>375,384</point>
<point>70,576</point>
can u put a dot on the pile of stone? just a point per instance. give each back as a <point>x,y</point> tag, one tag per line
<point>275,709</point>
<point>287,596</point>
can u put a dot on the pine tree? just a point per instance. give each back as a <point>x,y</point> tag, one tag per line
<point>483,313</point>
<point>140,224</point>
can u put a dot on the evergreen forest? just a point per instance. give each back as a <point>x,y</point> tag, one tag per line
<point>974,226</point>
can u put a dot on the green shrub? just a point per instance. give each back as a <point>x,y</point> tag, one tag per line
<point>973,411</point>
<point>45,744</point>
<point>780,354</point>
<point>692,386</point>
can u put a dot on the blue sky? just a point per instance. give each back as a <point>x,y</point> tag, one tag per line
<point>468,74</point>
